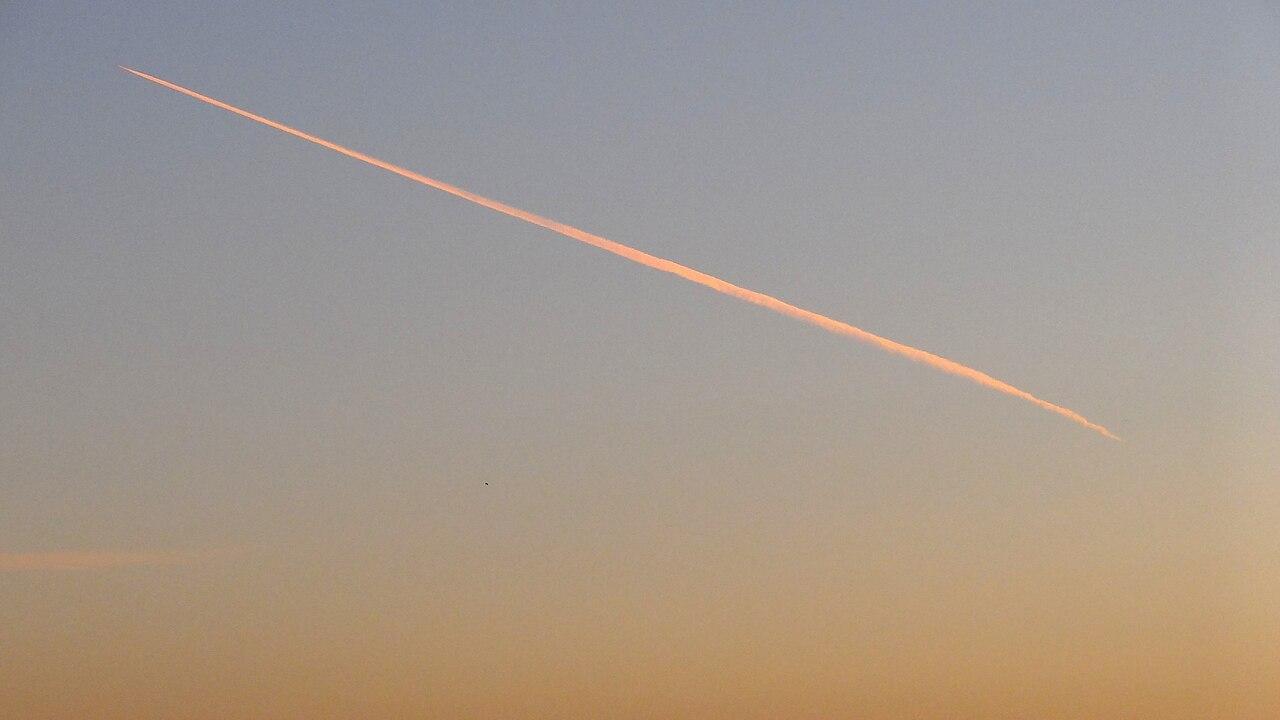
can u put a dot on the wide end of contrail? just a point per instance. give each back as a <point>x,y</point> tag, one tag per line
<point>725,287</point>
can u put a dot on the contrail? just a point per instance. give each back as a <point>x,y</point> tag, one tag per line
<point>723,286</point>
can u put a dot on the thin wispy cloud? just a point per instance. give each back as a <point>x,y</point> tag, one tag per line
<point>87,560</point>
<point>640,257</point>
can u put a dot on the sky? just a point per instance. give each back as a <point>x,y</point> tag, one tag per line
<point>285,436</point>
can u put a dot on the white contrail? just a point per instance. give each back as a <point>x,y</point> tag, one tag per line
<point>723,286</point>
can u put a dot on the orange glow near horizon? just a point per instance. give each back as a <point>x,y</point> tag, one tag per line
<point>668,266</point>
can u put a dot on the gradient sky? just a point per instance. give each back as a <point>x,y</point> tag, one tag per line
<point>251,391</point>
